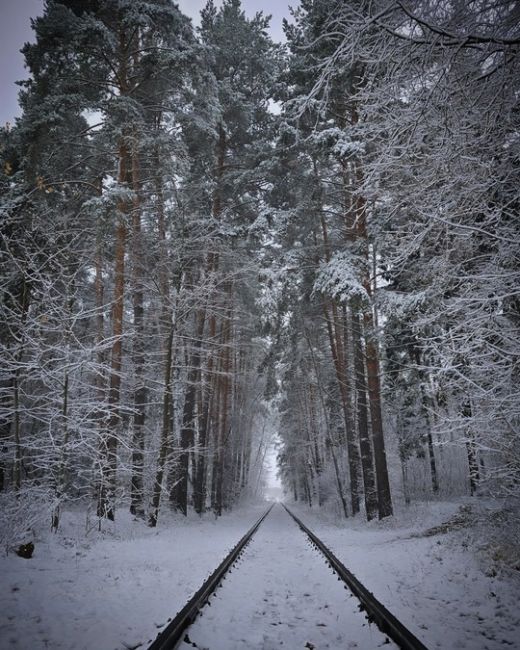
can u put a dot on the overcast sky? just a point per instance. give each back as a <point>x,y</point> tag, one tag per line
<point>15,30</point>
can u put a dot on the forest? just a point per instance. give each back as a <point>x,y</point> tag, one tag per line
<point>216,247</point>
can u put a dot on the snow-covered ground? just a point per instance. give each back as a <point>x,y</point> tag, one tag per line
<point>449,587</point>
<point>282,595</point>
<point>113,590</point>
<point>117,589</point>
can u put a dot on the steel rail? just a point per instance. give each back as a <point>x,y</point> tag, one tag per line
<point>173,633</point>
<point>376,611</point>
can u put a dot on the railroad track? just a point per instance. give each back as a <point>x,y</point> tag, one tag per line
<point>174,632</point>
<point>177,631</point>
<point>376,612</point>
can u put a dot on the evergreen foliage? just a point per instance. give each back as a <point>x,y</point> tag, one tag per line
<point>208,238</point>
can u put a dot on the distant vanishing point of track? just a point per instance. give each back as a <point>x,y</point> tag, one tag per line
<point>279,597</point>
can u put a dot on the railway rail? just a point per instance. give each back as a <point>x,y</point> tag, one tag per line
<point>376,611</point>
<point>173,633</point>
<point>177,631</point>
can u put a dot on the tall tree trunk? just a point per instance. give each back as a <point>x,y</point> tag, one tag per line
<point>313,426</point>
<point>199,491</point>
<point>140,392</point>
<point>167,329</point>
<point>100,376</point>
<point>372,360</point>
<point>223,428</point>
<point>335,332</point>
<point>328,438</point>
<point>106,506</point>
<point>471,449</point>
<point>106,498</point>
<point>109,442</point>
<point>216,419</point>
<point>199,469</point>
<point>221,387</point>
<point>362,419</point>
<point>374,392</point>
<point>165,431</point>
<point>426,402</point>
<point>222,413</point>
<point>180,497</point>
<point>352,449</point>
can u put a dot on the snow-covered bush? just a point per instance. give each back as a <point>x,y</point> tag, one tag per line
<point>24,515</point>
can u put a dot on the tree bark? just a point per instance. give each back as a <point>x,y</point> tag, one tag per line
<point>165,432</point>
<point>187,438</point>
<point>107,491</point>
<point>199,490</point>
<point>372,362</point>
<point>328,437</point>
<point>222,416</point>
<point>362,419</point>
<point>335,333</point>
<point>140,392</point>
<point>473,473</point>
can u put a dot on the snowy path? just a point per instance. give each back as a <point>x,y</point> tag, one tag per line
<point>282,594</point>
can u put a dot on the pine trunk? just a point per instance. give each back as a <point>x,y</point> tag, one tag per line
<point>362,419</point>
<point>199,490</point>
<point>372,361</point>
<point>352,449</point>
<point>107,493</point>
<point>140,393</point>
<point>165,432</point>
<point>335,333</point>
<point>180,500</point>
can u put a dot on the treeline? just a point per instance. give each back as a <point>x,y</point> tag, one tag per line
<point>130,189</point>
<point>400,277</point>
<point>203,231</point>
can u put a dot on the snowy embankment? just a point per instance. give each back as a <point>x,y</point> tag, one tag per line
<point>447,584</point>
<point>110,590</point>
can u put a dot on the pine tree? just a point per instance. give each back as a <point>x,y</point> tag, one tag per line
<point>327,119</point>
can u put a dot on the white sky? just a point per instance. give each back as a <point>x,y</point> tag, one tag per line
<point>15,30</point>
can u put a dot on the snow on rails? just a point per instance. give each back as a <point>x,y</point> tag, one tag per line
<point>281,597</point>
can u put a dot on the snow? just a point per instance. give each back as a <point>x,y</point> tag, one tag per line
<point>117,589</point>
<point>339,279</point>
<point>441,586</point>
<point>282,594</point>
<point>112,590</point>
